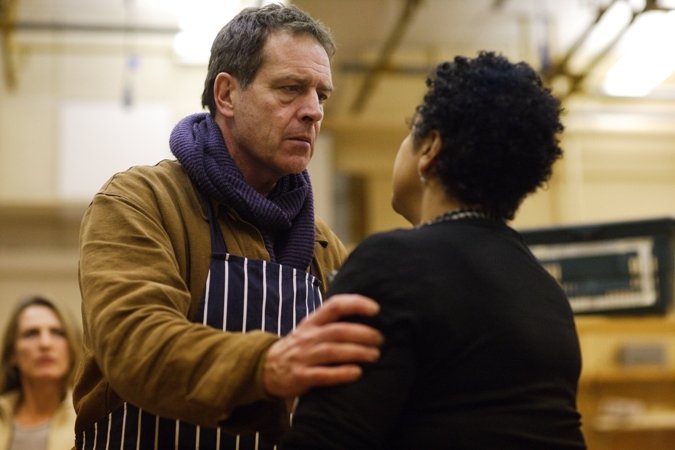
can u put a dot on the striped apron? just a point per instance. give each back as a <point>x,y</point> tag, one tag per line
<point>241,295</point>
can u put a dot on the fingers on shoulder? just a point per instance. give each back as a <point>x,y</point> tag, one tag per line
<point>341,305</point>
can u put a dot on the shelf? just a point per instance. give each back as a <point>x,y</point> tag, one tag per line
<point>630,375</point>
<point>647,421</point>
<point>625,324</point>
<point>32,225</point>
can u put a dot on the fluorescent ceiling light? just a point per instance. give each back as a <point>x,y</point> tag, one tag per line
<point>609,26</point>
<point>668,4</point>
<point>648,58</point>
<point>200,21</point>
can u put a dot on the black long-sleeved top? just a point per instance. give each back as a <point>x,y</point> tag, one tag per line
<point>481,349</point>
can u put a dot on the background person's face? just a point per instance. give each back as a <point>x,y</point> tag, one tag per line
<point>41,351</point>
<point>278,116</point>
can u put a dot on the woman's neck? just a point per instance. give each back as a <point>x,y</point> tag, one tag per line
<point>38,402</point>
<point>436,201</point>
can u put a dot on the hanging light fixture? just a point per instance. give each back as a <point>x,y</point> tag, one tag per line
<point>647,59</point>
<point>611,23</point>
<point>638,33</point>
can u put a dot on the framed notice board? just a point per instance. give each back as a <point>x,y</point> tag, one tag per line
<point>611,268</point>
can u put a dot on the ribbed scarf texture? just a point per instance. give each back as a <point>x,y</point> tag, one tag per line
<point>285,217</point>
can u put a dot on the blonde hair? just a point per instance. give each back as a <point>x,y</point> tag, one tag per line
<point>10,378</point>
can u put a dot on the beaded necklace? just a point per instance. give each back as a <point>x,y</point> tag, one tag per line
<point>458,214</point>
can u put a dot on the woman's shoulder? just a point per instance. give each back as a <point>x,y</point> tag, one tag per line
<point>397,241</point>
<point>8,402</point>
<point>391,237</point>
<point>382,253</point>
<point>65,415</point>
<point>9,399</point>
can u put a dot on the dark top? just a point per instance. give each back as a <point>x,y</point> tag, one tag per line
<point>481,349</point>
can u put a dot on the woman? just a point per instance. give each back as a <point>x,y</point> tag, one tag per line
<point>39,354</point>
<point>481,350</point>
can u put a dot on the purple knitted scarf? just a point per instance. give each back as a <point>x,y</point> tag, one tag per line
<point>285,217</point>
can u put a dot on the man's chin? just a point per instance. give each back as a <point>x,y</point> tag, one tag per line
<point>297,165</point>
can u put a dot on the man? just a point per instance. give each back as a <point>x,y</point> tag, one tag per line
<point>177,260</point>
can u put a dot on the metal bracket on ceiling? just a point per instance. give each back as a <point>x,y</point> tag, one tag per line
<point>384,57</point>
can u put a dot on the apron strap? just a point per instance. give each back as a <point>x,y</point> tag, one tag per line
<point>218,246</point>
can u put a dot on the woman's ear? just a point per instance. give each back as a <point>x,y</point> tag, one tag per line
<point>225,91</point>
<point>431,147</point>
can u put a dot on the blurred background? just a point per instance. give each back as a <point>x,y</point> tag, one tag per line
<point>89,88</point>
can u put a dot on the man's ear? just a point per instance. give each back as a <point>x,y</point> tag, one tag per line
<point>431,147</point>
<point>225,89</point>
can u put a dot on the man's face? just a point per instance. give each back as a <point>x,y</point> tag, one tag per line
<point>276,118</point>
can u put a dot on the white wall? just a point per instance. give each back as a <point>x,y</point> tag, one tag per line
<point>64,129</point>
<point>57,73</point>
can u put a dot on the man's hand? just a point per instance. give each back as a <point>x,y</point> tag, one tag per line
<point>322,351</point>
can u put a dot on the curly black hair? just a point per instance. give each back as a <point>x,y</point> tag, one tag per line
<point>500,130</point>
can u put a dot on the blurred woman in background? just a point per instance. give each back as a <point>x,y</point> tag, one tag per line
<point>40,351</point>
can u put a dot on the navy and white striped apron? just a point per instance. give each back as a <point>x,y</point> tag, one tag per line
<point>241,295</point>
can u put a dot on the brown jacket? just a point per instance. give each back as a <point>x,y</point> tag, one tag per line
<point>144,257</point>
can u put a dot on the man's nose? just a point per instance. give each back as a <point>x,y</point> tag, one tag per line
<point>312,108</point>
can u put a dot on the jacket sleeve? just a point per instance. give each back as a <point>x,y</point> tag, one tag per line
<point>136,304</point>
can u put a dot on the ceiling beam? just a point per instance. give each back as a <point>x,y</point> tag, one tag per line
<point>95,27</point>
<point>382,63</point>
